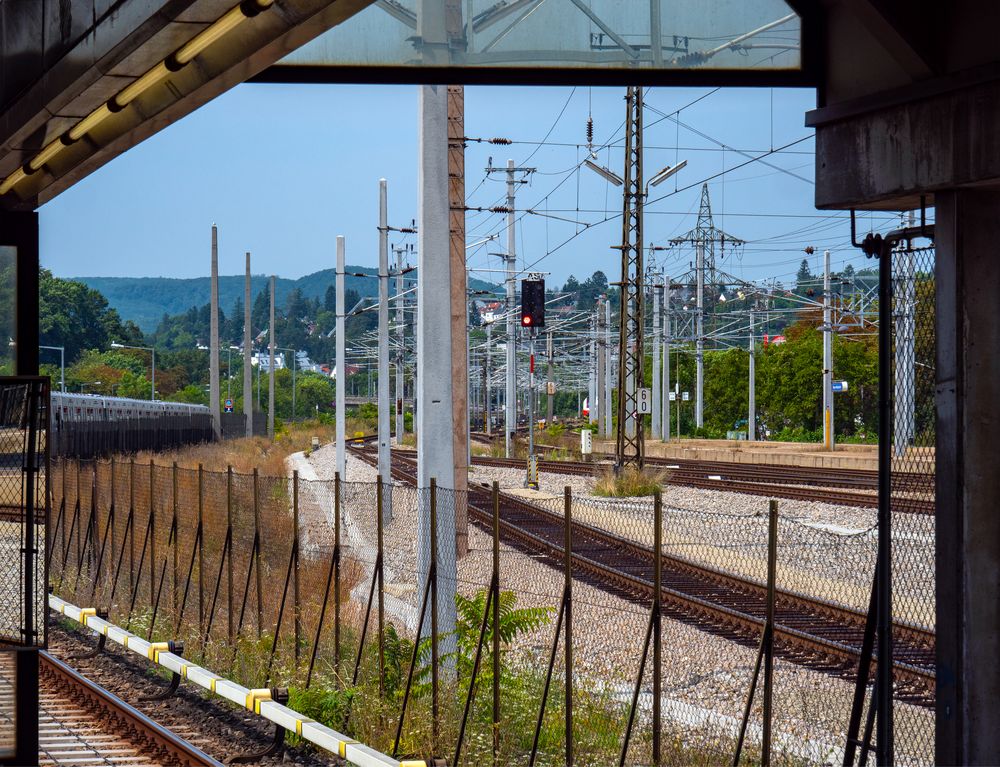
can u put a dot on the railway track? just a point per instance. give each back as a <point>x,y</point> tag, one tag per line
<point>82,723</point>
<point>791,482</point>
<point>809,631</point>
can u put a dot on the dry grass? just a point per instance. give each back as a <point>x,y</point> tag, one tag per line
<point>245,455</point>
<point>629,483</point>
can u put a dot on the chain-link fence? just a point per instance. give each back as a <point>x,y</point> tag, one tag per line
<point>328,587</point>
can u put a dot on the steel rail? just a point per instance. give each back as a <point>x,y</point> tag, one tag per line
<point>148,734</point>
<point>727,602</point>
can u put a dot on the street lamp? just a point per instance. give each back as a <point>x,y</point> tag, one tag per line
<point>62,364</point>
<point>152,365</point>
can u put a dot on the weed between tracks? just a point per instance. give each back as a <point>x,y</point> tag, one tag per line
<point>630,483</point>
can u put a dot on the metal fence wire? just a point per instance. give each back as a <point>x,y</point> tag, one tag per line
<point>24,508</point>
<point>317,586</point>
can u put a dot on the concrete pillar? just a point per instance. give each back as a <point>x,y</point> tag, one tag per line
<point>270,374</point>
<point>247,341</point>
<point>510,397</point>
<point>384,448</point>
<point>656,417</point>
<point>665,381</point>
<point>602,401</point>
<point>608,370</point>
<point>459,303</point>
<point>341,366</point>
<point>213,338</point>
<point>436,456</point>
<point>400,326</point>
<point>968,527</point>
<point>828,430</point>
<point>699,336</point>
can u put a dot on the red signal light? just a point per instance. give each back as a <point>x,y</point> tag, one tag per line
<point>526,320</point>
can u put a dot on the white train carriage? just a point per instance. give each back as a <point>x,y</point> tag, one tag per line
<point>97,408</point>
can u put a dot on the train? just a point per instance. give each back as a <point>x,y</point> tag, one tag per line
<point>74,408</point>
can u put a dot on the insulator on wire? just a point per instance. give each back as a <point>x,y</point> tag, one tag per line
<point>501,141</point>
<point>590,131</point>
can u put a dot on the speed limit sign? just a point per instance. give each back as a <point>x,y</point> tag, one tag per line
<point>644,399</point>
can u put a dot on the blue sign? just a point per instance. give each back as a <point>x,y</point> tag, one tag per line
<point>839,387</point>
<point>229,406</point>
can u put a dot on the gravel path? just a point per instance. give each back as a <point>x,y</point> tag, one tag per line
<point>705,677</point>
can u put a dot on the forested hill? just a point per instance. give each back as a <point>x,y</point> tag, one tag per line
<point>145,300</point>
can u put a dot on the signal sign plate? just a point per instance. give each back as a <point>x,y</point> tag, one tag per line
<point>644,400</point>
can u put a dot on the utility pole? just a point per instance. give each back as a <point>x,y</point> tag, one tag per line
<point>550,383</point>
<point>607,368</point>
<point>340,368</point>
<point>665,386</point>
<point>828,440</point>
<point>602,344</point>
<point>458,304</point>
<point>592,377</point>
<point>656,430</point>
<point>213,338</point>
<point>487,384</point>
<point>270,376</point>
<point>384,448</point>
<point>904,378</point>
<point>703,237</point>
<point>752,394</point>
<point>510,259</point>
<point>247,368</point>
<point>400,352</point>
<point>629,448</point>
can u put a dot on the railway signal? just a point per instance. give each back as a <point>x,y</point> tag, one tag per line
<point>533,303</point>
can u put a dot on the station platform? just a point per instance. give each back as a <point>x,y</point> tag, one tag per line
<point>768,453</point>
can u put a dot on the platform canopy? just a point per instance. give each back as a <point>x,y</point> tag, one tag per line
<point>559,41</point>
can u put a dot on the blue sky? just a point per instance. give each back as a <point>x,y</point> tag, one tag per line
<point>284,169</point>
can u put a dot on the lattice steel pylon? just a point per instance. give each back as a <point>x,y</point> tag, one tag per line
<point>703,237</point>
<point>630,447</point>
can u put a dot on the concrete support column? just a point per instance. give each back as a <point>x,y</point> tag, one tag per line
<point>656,417</point>
<point>213,338</point>
<point>436,456</point>
<point>665,382</point>
<point>340,369</point>
<point>384,448</point>
<point>458,301</point>
<point>967,230</point>
<point>270,375</point>
<point>247,367</point>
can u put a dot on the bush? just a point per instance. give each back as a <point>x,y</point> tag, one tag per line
<point>629,483</point>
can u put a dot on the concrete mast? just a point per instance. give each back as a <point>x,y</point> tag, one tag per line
<point>384,448</point>
<point>270,375</point>
<point>656,417</point>
<point>213,338</point>
<point>752,393</point>
<point>828,441</point>
<point>247,341</point>
<point>665,381</point>
<point>510,398</point>
<point>435,389</point>
<point>608,370</point>
<point>400,340</point>
<point>550,382</point>
<point>341,368</point>
<point>699,335</point>
<point>602,403</point>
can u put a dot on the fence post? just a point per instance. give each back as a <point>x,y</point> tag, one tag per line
<point>336,575</point>
<point>772,560</point>
<point>63,461</point>
<point>152,533</point>
<point>256,553</point>
<point>765,652</point>
<point>230,633</point>
<point>568,639</point>
<point>201,550</point>
<point>496,625</point>
<point>112,511</point>
<point>657,627</point>
<point>434,621</point>
<point>380,567</point>
<point>131,532</point>
<point>175,535</point>
<point>297,603</point>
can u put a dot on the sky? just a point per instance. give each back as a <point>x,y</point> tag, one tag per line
<point>283,169</point>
